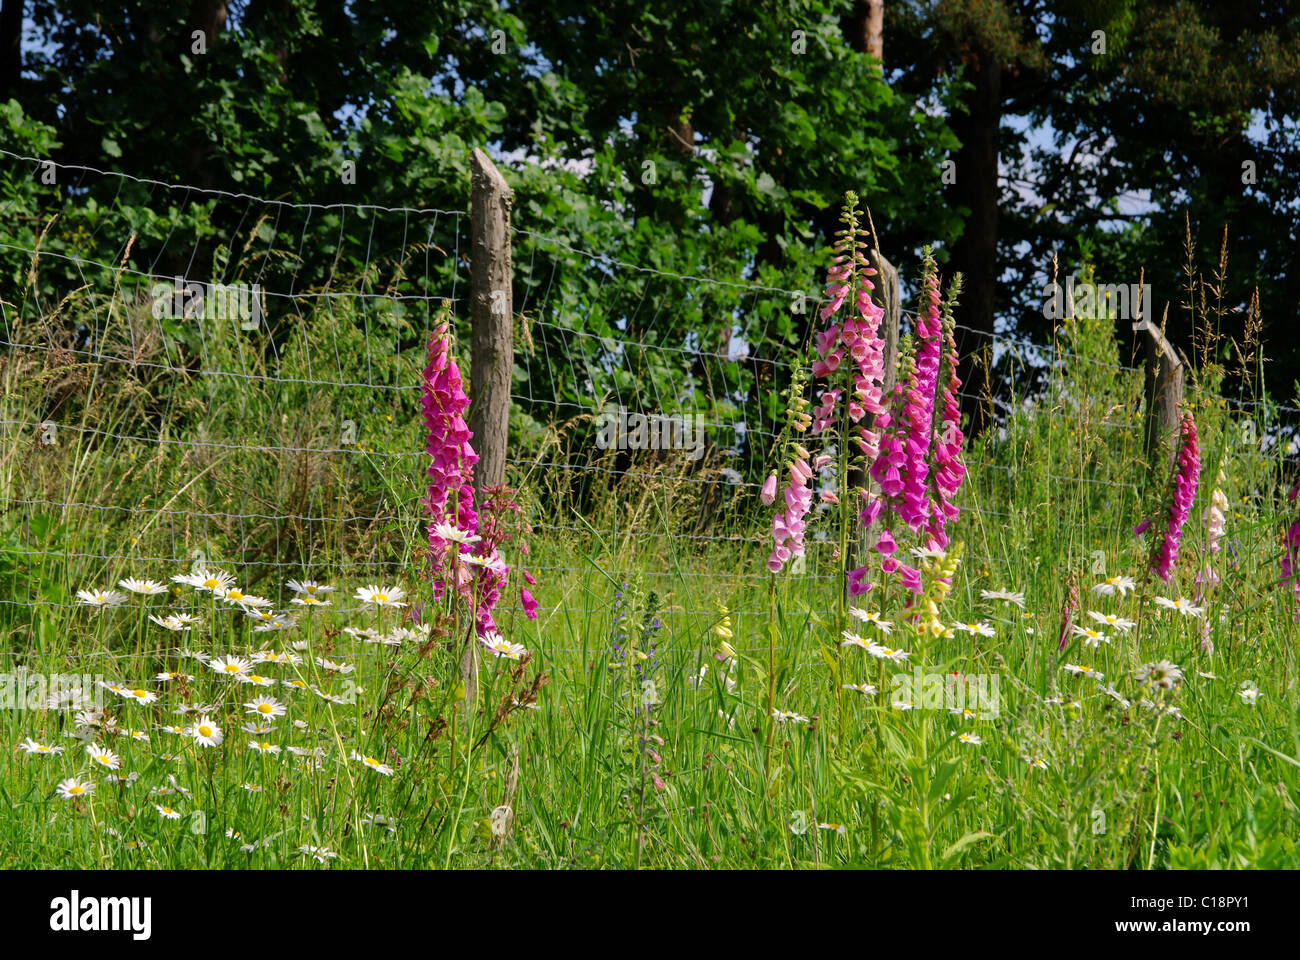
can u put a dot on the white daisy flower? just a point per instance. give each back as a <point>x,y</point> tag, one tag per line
<point>785,716</point>
<point>1181,605</point>
<point>308,587</point>
<point>454,534</point>
<point>1110,691</point>
<point>205,732</point>
<point>1119,623</point>
<point>275,624</point>
<point>101,598</point>
<point>203,579</point>
<point>928,553</point>
<point>229,666</point>
<point>971,738</point>
<point>853,640</point>
<point>319,854</point>
<point>376,596</point>
<point>501,647</point>
<point>103,756</point>
<point>1091,638</point>
<point>265,707</point>
<point>373,764</point>
<point>1163,674</point>
<point>309,601</point>
<point>31,746</point>
<point>863,688</point>
<point>167,813</point>
<point>72,788</point>
<point>983,628</point>
<point>1006,596</point>
<point>146,588</point>
<point>1078,671</point>
<point>262,746</point>
<point>239,598</point>
<point>1118,584</point>
<point>872,617</point>
<point>139,695</point>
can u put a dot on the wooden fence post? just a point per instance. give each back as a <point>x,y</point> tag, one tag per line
<point>890,300</point>
<point>1163,389</point>
<point>492,355</point>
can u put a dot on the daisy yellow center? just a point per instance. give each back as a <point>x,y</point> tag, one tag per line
<point>205,731</point>
<point>137,692</point>
<point>372,761</point>
<point>381,598</point>
<point>102,758</point>
<point>263,745</point>
<point>264,708</point>
<point>234,595</point>
<point>231,668</point>
<point>298,683</point>
<point>77,789</point>
<point>210,583</point>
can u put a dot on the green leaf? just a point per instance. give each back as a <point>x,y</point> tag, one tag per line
<point>953,852</point>
<point>941,777</point>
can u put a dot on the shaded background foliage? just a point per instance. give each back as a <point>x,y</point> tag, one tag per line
<point>754,116</point>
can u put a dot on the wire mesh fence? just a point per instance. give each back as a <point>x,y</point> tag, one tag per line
<point>254,366</point>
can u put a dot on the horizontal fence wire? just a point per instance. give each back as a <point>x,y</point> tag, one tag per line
<point>294,445</point>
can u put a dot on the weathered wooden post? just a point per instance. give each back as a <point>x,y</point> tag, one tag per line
<point>1163,389</point>
<point>887,286</point>
<point>492,342</point>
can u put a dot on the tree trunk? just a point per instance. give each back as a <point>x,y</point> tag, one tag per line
<point>11,48</point>
<point>864,28</point>
<point>975,254</point>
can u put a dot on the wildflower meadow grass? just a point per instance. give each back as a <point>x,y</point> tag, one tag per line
<point>1040,648</point>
